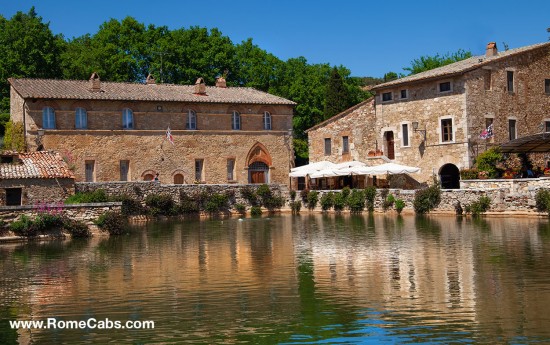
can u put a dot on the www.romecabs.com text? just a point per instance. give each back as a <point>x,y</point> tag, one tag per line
<point>91,323</point>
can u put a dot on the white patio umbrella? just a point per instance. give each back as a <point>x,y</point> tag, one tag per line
<point>311,168</point>
<point>392,168</point>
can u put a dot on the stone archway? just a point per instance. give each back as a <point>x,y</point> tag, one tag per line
<point>258,162</point>
<point>449,175</point>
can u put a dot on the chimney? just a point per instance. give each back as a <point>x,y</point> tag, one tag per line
<point>150,80</point>
<point>491,49</point>
<point>220,82</point>
<point>200,87</point>
<point>95,83</point>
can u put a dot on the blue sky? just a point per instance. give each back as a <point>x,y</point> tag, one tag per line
<point>368,37</point>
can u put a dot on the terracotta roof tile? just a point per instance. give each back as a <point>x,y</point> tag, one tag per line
<point>42,164</point>
<point>79,89</point>
<point>460,66</point>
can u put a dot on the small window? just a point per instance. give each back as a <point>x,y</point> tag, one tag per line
<point>191,121</point>
<point>81,118</point>
<point>127,119</point>
<point>124,170</point>
<point>445,86</point>
<point>487,75</point>
<point>345,144</point>
<point>488,121</point>
<point>230,169</point>
<point>510,80</point>
<point>512,130</point>
<point>14,196</point>
<point>446,130</point>
<point>48,118</point>
<point>547,126</point>
<point>89,171</point>
<point>328,147</point>
<point>267,121</point>
<point>178,179</point>
<point>199,169</point>
<point>6,159</point>
<point>547,86</point>
<point>405,133</point>
<point>386,96</point>
<point>404,94</point>
<point>235,121</point>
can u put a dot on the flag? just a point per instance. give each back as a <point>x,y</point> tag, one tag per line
<point>169,136</point>
<point>487,133</point>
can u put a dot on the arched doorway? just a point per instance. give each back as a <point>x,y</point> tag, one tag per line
<point>258,172</point>
<point>449,175</point>
<point>258,162</point>
<point>389,143</point>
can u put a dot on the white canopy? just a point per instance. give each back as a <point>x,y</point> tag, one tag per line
<point>392,168</point>
<point>311,168</point>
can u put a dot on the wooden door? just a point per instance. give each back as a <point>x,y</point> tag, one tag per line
<point>257,176</point>
<point>390,145</point>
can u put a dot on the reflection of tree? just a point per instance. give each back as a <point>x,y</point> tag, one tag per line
<point>8,335</point>
<point>427,227</point>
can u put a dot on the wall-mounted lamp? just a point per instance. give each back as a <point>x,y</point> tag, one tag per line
<point>39,135</point>
<point>415,127</point>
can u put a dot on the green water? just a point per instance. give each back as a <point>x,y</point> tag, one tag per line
<point>307,279</point>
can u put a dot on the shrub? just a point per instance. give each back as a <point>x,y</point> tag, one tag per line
<point>427,199</point>
<point>23,227</point>
<point>97,195</point>
<point>240,208</point>
<point>356,201</point>
<point>327,201</point>
<point>263,192</point>
<point>131,206</point>
<point>296,206</point>
<point>388,202</point>
<point>247,192</point>
<point>399,205</point>
<point>47,221</point>
<point>76,228</point>
<point>274,202</point>
<point>160,204</point>
<point>292,195</point>
<point>488,160</point>
<point>255,211</point>
<point>217,203</point>
<point>370,197</point>
<point>187,204</point>
<point>346,192</point>
<point>339,202</point>
<point>112,222</point>
<point>480,206</point>
<point>469,174</point>
<point>312,199</point>
<point>542,199</point>
<point>303,195</point>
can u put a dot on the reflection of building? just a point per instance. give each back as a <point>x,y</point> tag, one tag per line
<point>433,119</point>
<point>119,131</point>
<point>34,177</point>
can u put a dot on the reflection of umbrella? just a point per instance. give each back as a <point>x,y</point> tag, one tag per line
<point>391,168</point>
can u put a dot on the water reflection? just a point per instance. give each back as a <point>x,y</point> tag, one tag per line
<point>290,279</point>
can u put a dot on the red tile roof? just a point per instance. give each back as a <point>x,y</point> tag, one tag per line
<point>42,164</point>
<point>80,89</point>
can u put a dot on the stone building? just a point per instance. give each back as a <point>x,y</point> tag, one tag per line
<point>129,131</point>
<point>34,177</point>
<point>433,120</point>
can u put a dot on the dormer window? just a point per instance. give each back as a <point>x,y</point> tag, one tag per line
<point>445,86</point>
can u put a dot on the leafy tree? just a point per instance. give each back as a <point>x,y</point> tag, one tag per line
<point>425,63</point>
<point>390,76</point>
<point>28,48</point>
<point>14,138</point>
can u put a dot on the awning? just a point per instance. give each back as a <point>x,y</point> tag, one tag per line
<point>531,143</point>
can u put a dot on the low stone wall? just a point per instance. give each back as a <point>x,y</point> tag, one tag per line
<point>83,212</point>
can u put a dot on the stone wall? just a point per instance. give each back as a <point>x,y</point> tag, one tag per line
<point>83,212</point>
<point>35,190</point>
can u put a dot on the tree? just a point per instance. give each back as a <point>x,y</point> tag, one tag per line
<point>390,76</point>
<point>336,99</point>
<point>425,63</point>
<point>28,49</point>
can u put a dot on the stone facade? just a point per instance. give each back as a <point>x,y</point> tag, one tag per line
<point>111,153</point>
<point>36,190</point>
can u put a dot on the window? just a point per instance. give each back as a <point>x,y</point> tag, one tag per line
<point>345,144</point>
<point>89,170</point>
<point>124,170</point>
<point>445,86</point>
<point>127,119</point>
<point>230,169</point>
<point>198,169</point>
<point>512,129</point>
<point>235,120</point>
<point>487,79</point>
<point>178,179</point>
<point>446,130</point>
<point>81,118</point>
<point>405,134</point>
<point>404,94</point>
<point>547,86</point>
<point>48,118</point>
<point>267,120</point>
<point>328,147</point>
<point>191,122</point>
<point>13,196</point>
<point>547,126</point>
<point>510,80</point>
<point>386,97</point>
<point>488,121</point>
